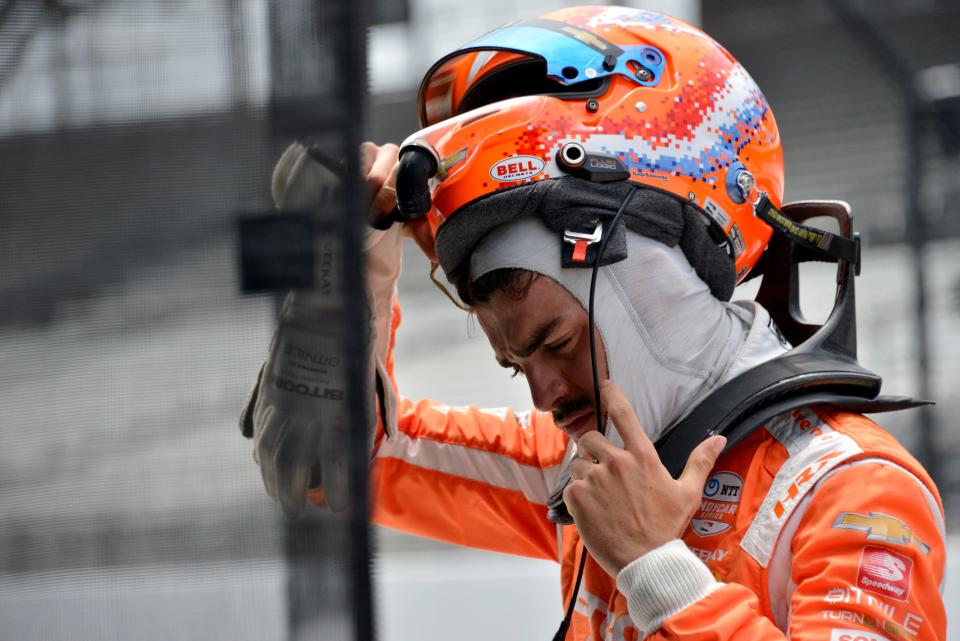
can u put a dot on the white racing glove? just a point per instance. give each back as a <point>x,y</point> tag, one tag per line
<point>296,413</point>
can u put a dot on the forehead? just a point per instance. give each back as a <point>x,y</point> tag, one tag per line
<point>510,323</point>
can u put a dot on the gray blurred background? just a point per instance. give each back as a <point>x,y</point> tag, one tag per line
<point>133,133</point>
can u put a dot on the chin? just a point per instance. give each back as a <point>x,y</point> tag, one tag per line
<point>582,425</point>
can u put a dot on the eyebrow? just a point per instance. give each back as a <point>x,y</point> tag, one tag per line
<point>535,342</point>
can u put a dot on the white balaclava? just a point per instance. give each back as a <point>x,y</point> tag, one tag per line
<point>669,342</point>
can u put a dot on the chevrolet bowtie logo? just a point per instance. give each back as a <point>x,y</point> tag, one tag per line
<point>880,527</point>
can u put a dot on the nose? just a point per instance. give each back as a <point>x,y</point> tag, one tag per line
<point>547,387</point>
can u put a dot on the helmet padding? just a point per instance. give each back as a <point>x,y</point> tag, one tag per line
<point>573,203</point>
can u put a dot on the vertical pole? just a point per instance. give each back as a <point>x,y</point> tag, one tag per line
<point>354,88</point>
<point>318,89</point>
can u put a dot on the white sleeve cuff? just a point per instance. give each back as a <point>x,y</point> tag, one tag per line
<point>662,582</point>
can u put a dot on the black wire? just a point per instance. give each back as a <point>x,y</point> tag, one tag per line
<point>593,287</point>
<point>565,624</point>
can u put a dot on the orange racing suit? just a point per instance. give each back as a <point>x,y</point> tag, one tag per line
<point>819,526</point>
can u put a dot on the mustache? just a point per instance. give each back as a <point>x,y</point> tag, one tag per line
<point>571,407</point>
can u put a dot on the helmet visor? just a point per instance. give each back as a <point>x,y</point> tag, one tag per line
<point>572,55</point>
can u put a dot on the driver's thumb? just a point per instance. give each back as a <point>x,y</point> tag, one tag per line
<point>702,460</point>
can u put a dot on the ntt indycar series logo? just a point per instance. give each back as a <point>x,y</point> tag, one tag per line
<point>516,168</point>
<point>723,486</point>
<point>718,505</point>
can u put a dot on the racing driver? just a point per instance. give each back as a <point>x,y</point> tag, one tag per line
<point>594,183</point>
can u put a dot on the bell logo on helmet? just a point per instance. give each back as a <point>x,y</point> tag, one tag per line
<point>516,168</point>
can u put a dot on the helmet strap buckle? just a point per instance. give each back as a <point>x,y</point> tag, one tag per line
<point>581,241</point>
<point>582,248</point>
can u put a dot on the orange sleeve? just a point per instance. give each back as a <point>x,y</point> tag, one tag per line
<point>866,563</point>
<point>469,476</point>
<point>732,612</point>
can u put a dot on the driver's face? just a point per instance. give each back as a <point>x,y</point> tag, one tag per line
<point>545,336</point>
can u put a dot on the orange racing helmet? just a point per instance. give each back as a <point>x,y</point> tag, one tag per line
<point>606,94</point>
